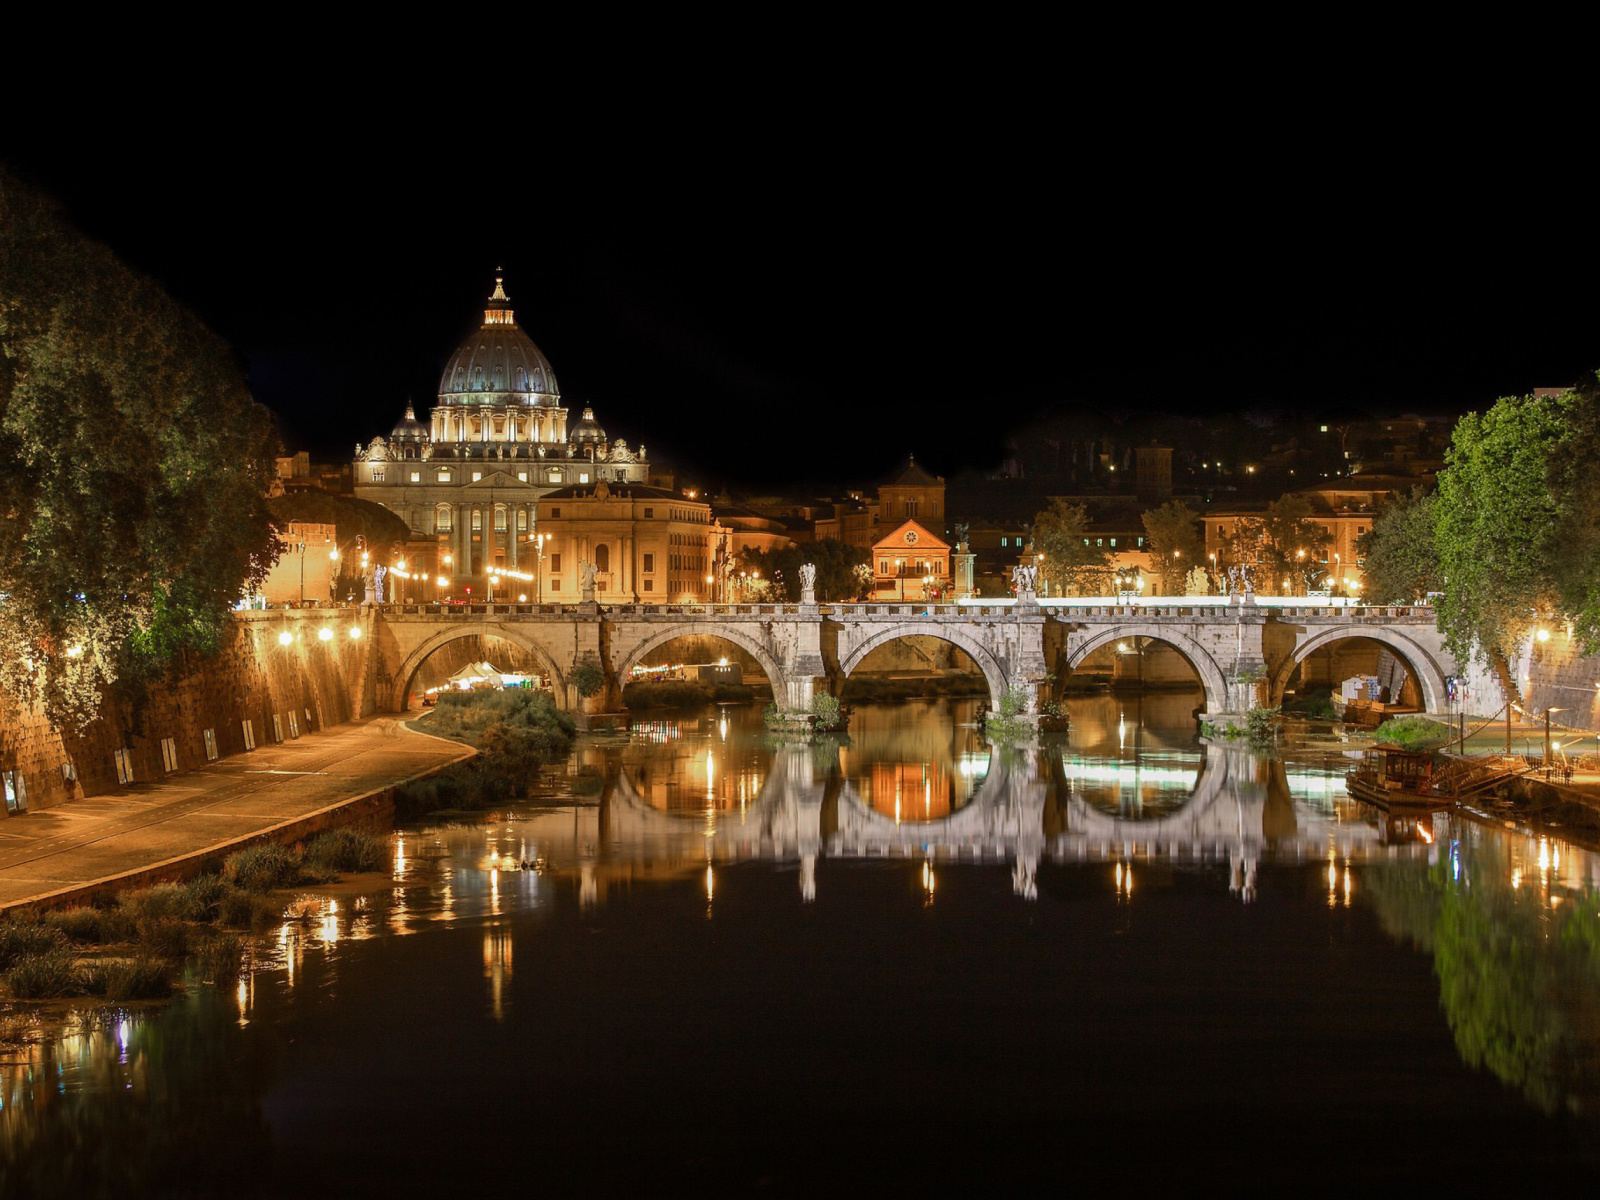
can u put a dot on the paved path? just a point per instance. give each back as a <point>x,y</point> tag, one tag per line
<point>89,841</point>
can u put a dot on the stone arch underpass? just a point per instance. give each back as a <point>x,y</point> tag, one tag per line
<point>625,658</point>
<point>405,675</point>
<point>994,672</point>
<point>1212,679</point>
<point>1430,675</point>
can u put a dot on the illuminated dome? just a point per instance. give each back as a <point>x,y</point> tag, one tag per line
<point>409,429</point>
<point>588,429</point>
<point>499,364</point>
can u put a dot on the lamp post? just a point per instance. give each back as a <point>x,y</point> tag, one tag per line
<point>1547,713</point>
<point>900,577</point>
<point>539,565</point>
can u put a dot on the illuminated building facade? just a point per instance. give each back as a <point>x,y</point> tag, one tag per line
<point>469,479</point>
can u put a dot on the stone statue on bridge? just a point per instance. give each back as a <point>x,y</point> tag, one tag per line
<point>808,583</point>
<point>588,571</point>
<point>1025,578</point>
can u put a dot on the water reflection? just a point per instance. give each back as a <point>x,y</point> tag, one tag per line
<point>675,893</point>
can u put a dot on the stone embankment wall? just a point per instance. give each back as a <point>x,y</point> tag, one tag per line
<point>280,690</point>
<point>1550,674</point>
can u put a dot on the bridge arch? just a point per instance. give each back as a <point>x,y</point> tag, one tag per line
<point>993,673</point>
<point>407,672</point>
<point>728,633</point>
<point>1430,676</point>
<point>1212,679</point>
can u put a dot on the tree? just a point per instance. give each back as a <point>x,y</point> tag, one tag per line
<point>1172,533</point>
<point>1283,544</point>
<point>1501,528</point>
<point>838,566</point>
<point>137,465</point>
<point>1068,554</point>
<point>1401,561</point>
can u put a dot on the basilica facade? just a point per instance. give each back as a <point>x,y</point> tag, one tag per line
<point>468,480</point>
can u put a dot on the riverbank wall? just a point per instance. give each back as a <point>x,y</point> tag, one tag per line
<point>1552,674</point>
<point>282,674</point>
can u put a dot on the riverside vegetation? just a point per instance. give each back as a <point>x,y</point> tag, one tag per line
<point>140,943</point>
<point>517,732</point>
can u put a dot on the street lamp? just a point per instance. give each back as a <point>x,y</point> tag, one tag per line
<point>1547,713</point>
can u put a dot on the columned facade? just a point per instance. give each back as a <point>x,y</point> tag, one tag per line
<point>468,477</point>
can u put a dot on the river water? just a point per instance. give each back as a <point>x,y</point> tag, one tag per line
<point>901,959</point>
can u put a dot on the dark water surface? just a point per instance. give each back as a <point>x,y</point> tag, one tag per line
<point>902,962</point>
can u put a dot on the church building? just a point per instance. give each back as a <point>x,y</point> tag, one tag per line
<point>468,479</point>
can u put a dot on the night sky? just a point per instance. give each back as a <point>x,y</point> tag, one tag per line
<point>808,300</point>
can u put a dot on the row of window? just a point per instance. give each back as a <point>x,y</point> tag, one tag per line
<point>556,475</point>
<point>920,567</point>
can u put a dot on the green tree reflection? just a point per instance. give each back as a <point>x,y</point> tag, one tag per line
<point>1517,958</point>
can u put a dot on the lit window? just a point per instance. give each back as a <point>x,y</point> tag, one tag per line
<point>444,476</point>
<point>522,519</point>
<point>555,476</point>
<point>523,476</point>
<point>416,477</point>
<point>441,518</point>
<point>583,477</point>
<point>500,520</point>
<point>377,475</point>
<point>477,522</point>
<point>477,475</point>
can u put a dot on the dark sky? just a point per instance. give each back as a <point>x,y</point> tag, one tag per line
<point>812,296</point>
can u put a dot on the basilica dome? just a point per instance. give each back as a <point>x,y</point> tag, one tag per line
<point>409,429</point>
<point>498,363</point>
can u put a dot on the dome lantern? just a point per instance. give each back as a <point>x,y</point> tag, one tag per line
<point>498,364</point>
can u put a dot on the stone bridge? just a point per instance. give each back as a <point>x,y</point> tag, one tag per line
<point>1242,653</point>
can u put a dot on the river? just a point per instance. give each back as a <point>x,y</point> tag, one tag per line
<point>899,959</point>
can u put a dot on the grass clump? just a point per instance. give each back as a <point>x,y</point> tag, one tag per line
<point>24,939</point>
<point>140,978</point>
<point>91,926</point>
<point>262,868</point>
<point>218,959</point>
<point>346,850</point>
<point>240,909</point>
<point>44,975</point>
<point>517,732</point>
<point>166,936</point>
<point>1412,733</point>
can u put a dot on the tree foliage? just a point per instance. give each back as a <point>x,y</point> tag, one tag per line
<point>838,564</point>
<point>1284,543</point>
<point>1400,561</point>
<point>1172,533</point>
<point>136,468</point>
<point>1502,525</point>
<point>1071,560</point>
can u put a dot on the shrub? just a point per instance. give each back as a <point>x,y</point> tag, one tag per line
<point>1412,733</point>
<point>666,693</point>
<point>825,708</point>
<point>1261,725</point>
<point>588,679</point>
<point>204,893</point>
<point>44,975</point>
<point>218,959</point>
<point>261,868</point>
<point>22,939</point>
<point>156,903</point>
<point>141,978</point>
<point>347,850</point>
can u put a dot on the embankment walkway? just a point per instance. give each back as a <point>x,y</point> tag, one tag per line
<point>126,836</point>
